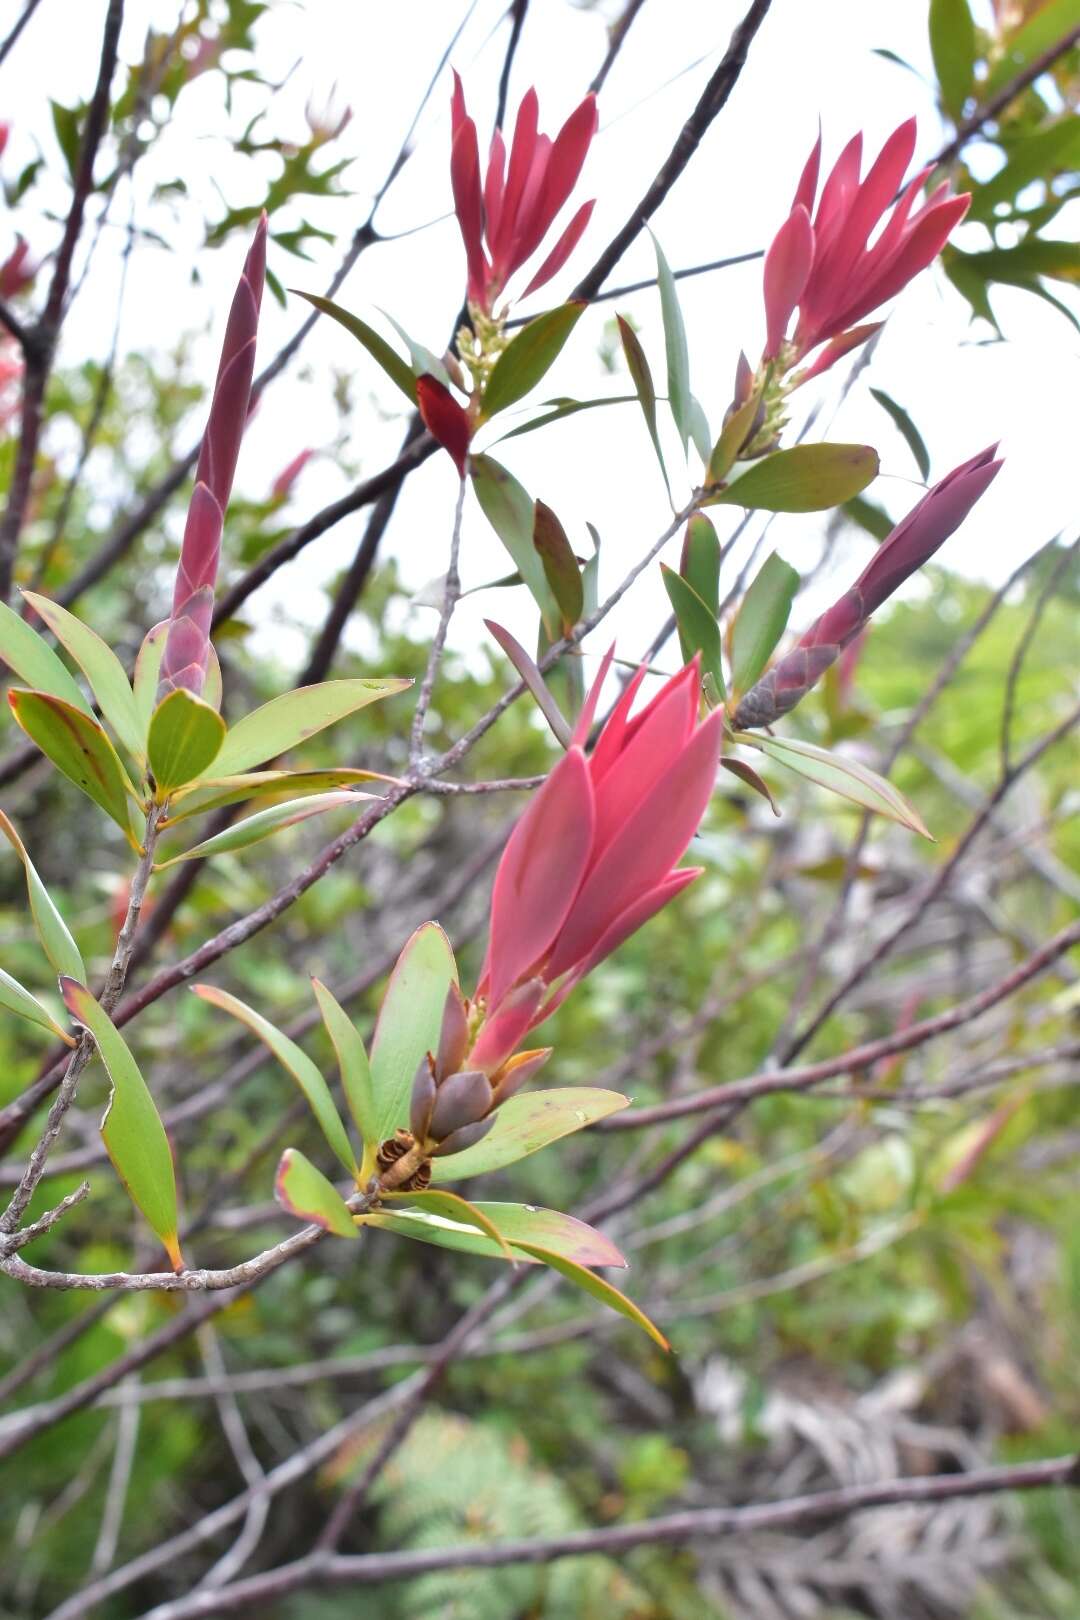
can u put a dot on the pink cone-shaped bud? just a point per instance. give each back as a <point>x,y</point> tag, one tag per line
<point>505,215</point>
<point>912,542</point>
<point>594,856</point>
<point>787,270</point>
<point>197,570</point>
<point>445,419</point>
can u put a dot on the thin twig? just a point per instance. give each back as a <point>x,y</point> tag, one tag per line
<point>451,593</point>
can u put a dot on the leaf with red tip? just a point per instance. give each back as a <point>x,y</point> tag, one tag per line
<point>746,773</point>
<point>528,1122</point>
<point>305,1192</point>
<point>530,1231</point>
<point>132,1131</point>
<point>540,872</point>
<point>445,419</point>
<point>267,787</point>
<point>451,1206</point>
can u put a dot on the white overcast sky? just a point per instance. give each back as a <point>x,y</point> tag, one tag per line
<point>809,61</point>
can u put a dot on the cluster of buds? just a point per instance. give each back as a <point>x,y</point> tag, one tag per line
<point>453,1102</point>
<point>912,543</point>
<point>588,863</point>
<point>187,644</point>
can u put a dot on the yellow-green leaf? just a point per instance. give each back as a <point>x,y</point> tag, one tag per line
<point>199,798</point>
<point>355,1071</point>
<point>526,1123</point>
<point>451,1206</point>
<point>600,1289</point>
<point>52,930</point>
<point>761,620</point>
<point>132,1131</point>
<point>186,735</point>
<point>100,665</point>
<point>295,716</point>
<point>806,478</point>
<point>147,669</point>
<point>24,1005</point>
<point>432,1218</point>
<point>305,1192</point>
<point>409,1023</point>
<point>296,1062</point>
<point>528,357</point>
<point>263,824</point>
<point>846,777</point>
<point>79,748</point>
<point>33,660</point>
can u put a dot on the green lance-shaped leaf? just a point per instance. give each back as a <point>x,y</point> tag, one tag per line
<point>560,565</point>
<point>526,1123</point>
<point>378,348</point>
<point>1033,157</point>
<point>448,1225</point>
<point>557,409</point>
<point>102,669</point>
<point>186,735</point>
<point>806,478</point>
<point>700,565</point>
<point>732,438</point>
<point>295,716</point>
<point>296,1062</point>
<point>452,1207</point>
<point>600,1289</point>
<point>698,628</point>
<point>845,777</point>
<point>16,1000</point>
<point>874,519</point>
<point>33,660</point>
<point>355,1072</point>
<point>641,376</point>
<point>79,748</point>
<point>509,509</point>
<point>56,941</point>
<point>132,1131</point>
<point>198,798</point>
<point>909,432</point>
<point>528,358</point>
<point>952,45</point>
<point>699,430</point>
<point>678,355</point>
<point>409,1023</point>
<point>305,1192</point>
<point>263,824</point>
<point>761,620</point>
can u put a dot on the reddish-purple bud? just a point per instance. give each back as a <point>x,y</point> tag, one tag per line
<point>461,1100</point>
<point>200,551</point>
<point>453,1036</point>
